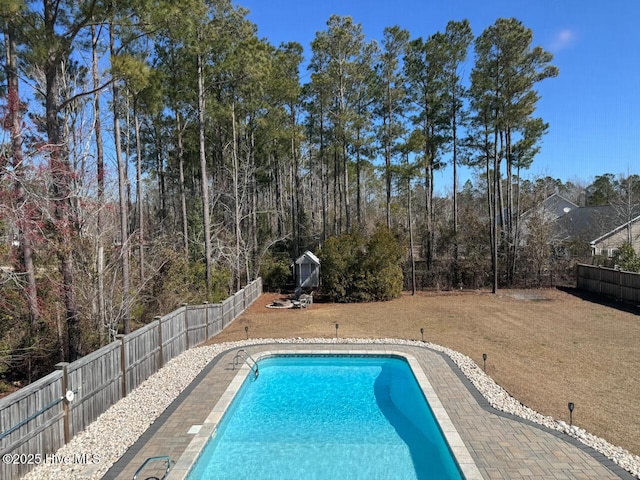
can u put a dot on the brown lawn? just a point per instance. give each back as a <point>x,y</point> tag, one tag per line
<point>545,347</point>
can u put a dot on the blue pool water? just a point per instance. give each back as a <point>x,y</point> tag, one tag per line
<point>328,418</point>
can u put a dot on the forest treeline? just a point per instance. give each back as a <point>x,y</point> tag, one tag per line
<point>158,152</point>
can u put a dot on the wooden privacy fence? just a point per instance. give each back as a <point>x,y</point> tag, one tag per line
<point>40,418</point>
<point>624,286</point>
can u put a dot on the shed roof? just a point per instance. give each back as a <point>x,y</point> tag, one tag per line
<point>309,257</point>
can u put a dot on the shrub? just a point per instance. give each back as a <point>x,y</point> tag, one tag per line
<point>177,282</point>
<point>275,271</point>
<point>627,258</point>
<point>356,269</point>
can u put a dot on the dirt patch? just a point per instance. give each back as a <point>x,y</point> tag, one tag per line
<point>545,347</point>
<point>528,295</point>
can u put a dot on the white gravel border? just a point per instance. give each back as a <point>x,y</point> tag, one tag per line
<point>105,440</point>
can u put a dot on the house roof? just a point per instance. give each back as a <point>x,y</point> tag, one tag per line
<point>592,224</point>
<point>555,204</point>
<point>558,205</point>
<point>617,229</point>
<point>308,256</point>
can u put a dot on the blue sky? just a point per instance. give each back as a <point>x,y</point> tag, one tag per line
<point>593,106</point>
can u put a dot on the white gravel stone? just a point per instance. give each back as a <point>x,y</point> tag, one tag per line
<point>106,438</point>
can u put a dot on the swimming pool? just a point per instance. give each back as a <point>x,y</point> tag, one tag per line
<point>320,417</point>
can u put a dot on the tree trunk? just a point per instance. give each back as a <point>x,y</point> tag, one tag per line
<point>387,176</point>
<point>14,121</point>
<point>122,193</point>
<point>496,206</point>
<point>347,202</point>
<point>336,183</point>
<point>254,209</point>
<point>516,225</point>
<point>279,197</point>
<point>429,212</point>
<point>454,159</point>
<point>65,229</point>
<point>409,215</point>
<point>509,208</point>
<point>206,221</point>
<point>136,122</point>
<point>97,126</point>
<point>295,181</point>
<point>183,196</point>
<point>61,182</point>
<point>324,181</point>
<point>162,196</point>
<point>429,188</point>
<point>358,184</point>
<point>236,196</point>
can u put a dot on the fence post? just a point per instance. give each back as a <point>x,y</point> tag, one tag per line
<point>186,325</point>
<point>599,280</point>
<point>123,364</point>
<point>579,276</point>
<point>160,358</point>
<point>620,285</point>
<point>62,366</point>
<point>206,320</point>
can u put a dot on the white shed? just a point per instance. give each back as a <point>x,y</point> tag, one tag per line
<point>307,270</point>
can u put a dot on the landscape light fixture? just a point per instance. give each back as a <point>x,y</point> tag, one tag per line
<point>484,362</point>
<point>571,407</point>
<point>422,333</point>
<point>336,331</point>
<point>246,330</point>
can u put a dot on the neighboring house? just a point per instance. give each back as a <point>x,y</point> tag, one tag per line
<point>557,205</point>
<point>603,228</point>
<point>599,229</point>
<point>545,214</point>
<point>609,242</point>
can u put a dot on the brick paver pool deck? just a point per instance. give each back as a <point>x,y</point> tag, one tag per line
<point>502,446</point>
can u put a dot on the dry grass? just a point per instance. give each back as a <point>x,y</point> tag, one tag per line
<point>545,347</point>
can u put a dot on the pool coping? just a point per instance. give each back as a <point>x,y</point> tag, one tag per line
<point>456,445</point>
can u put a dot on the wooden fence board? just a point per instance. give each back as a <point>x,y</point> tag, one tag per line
<point>215,319</point>
<point>98,378</point>
<point>41,434</point>
<point>624,286</point>
<point>238,303</point>
<point>227,312</point>
<point>196,324</point>
<point>141,355</point>
<point>97,381</point>
<point>173,334</point>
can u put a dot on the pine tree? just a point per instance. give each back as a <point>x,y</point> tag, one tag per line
<point>503,80</point>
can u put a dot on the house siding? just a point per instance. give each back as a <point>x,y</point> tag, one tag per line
<point>607,246</point>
